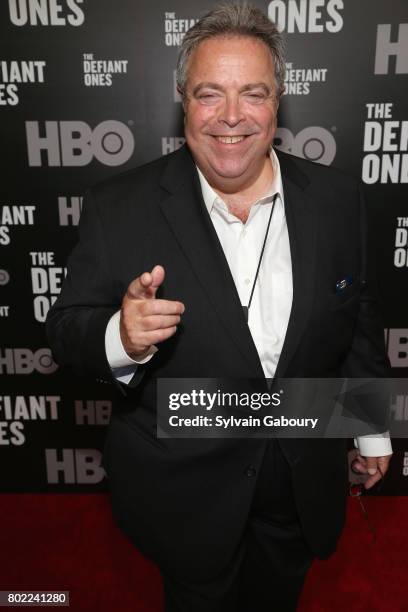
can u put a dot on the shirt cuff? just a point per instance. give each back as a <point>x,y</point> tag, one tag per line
<point>115,353</point>
<point>374,445</point>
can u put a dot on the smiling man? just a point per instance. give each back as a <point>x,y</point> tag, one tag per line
<point>225,259</point>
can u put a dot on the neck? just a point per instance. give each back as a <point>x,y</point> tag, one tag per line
<point>240,201</point>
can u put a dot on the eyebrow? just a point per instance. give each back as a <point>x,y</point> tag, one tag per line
<point>260,85</point>
<point>244,88</point>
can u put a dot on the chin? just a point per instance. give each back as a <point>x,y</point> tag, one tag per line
<point>228,171</point>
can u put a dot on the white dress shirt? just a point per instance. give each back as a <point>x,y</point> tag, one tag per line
<point>272,299</point>
<point>242,243</point>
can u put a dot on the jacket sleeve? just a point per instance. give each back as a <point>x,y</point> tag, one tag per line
<point>367,357</point>
<point>77,322</point>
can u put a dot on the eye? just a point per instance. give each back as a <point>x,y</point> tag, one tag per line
<point>208,98</point>
<point>256,97</point>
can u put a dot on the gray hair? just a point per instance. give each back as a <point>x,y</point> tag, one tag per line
<point>241,19</point>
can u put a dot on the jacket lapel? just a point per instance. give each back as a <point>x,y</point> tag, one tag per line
<point>300,210</point>
<point>185,211</point>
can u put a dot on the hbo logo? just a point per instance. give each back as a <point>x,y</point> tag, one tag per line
<point>25,361</point>
<point>313,143</point>
<point>74,143</point>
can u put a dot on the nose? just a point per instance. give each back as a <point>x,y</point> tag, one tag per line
<point>231,113</point>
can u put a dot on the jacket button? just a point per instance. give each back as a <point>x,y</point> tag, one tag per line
<point>250,471</point>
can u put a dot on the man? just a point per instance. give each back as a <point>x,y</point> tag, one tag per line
<point>166,260</point>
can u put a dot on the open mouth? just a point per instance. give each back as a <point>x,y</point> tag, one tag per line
<point>230,139</point>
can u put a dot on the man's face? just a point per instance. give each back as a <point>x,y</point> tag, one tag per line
<point>230,110</point>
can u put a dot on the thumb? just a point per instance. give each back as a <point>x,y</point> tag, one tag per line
<point>371,465</point>
<point>146,285</point>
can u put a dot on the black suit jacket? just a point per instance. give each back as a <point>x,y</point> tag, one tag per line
<point>184,503</point>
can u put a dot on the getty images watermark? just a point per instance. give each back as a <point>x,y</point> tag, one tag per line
<point>224,399</point>
<point>290,407</point>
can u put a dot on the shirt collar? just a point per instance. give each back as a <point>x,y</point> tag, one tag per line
<point>210,196</point>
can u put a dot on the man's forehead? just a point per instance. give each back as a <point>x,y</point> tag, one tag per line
<point>221,54</point>
<point>231,45</point>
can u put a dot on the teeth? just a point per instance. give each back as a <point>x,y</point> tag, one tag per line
<point>230,139</point>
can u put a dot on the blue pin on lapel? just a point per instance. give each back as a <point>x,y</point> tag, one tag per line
<point>343,283</point>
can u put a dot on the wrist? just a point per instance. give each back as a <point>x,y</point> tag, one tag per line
<point>138,356</point>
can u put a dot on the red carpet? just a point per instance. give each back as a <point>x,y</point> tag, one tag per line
<point>68,542</point>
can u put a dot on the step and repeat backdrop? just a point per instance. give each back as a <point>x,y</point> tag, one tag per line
<point>87,90</point>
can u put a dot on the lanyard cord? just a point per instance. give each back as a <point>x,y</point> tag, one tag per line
<point>246,308</point>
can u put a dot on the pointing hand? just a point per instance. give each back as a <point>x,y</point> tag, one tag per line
<point>145,320</point>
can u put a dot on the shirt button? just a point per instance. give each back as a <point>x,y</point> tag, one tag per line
<point>250,471</point>
<point>247,281</point>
